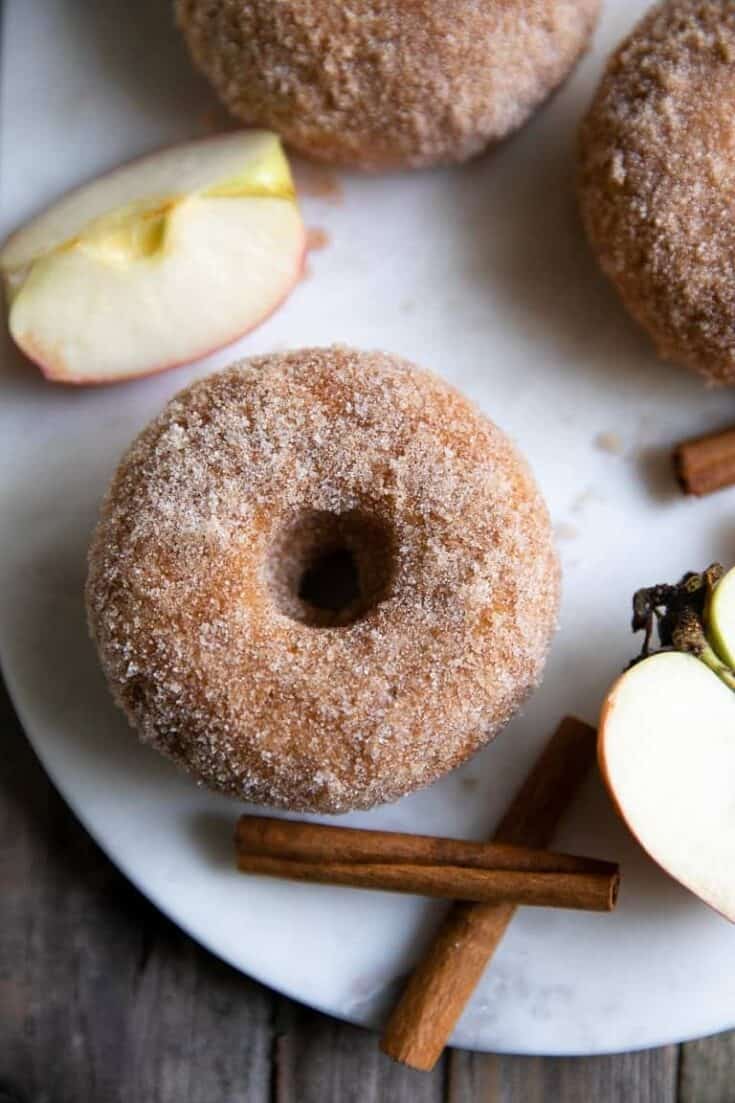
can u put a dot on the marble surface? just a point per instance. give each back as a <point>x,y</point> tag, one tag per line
<point>480,273</point>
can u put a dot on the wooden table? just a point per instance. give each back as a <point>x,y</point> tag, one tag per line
<point>103,1000</point>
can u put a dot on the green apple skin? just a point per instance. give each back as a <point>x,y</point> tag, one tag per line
<point>720,619</point>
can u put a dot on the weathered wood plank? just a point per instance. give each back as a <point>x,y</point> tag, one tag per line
<point>320,1060</point>
<point>646,1077</point>
<point>198,1031</point>
<point>707,1070</point>
<point>102,1000</point>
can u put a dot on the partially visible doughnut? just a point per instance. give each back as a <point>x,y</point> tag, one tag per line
<point>657,180</point>
<point>386,83</point>
<point>321,579</point>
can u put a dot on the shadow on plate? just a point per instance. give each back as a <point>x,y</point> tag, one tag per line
<point>213,834</point>
<point>525,241</point>
<point>51,662</point>
<point>137,45</point>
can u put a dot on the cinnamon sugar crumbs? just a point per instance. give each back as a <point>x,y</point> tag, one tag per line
<point>565,531</point>
<point>197,643</point>
<point>587,498</point>
<point>610,443</point>
<point>315,183</point>
<point>317,238</point>
<point>657,180</point>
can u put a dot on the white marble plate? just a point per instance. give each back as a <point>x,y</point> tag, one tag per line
<point>480,273</point>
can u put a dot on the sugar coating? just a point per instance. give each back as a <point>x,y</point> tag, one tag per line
<point>657,180</point>
<point>259,705</point>
<point>386,83</point>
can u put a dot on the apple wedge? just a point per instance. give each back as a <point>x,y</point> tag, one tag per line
<point>720,618</point>
<point>666,740</point>
<point>667,754</point>
<point>157,263</point>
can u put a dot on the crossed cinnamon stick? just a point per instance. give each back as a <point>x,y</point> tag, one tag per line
<point>452,967</point>
<point>423,865</point>
<point>488,881</point>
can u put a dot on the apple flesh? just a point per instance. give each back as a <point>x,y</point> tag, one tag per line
<point>667,735</point>
<point>157,263</point>
<point>667,753</point>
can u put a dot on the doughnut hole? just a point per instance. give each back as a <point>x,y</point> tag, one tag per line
<point>328,570</point>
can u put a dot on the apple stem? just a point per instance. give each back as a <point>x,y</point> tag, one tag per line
<point>715,664</point>
<point>679,613</point>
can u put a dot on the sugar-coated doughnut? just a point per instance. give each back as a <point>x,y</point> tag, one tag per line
<point>657,180</point>
<point>321,579</point>
<point>386,83</point>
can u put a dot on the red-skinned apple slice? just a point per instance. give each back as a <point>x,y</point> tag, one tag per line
<point>667,753</point>
<point>157,263</point>
<point>667,739</point>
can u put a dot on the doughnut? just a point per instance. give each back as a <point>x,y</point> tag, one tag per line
<point>321,579</point>
<point>657,181</point>
<point>386,83</point>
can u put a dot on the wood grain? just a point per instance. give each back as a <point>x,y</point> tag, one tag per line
<point>319,1060</point>
<point>707,1070</point>
<point>646,1077</point>
<point>102,1000</point>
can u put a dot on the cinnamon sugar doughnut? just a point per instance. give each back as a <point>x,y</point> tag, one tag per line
<point>321,579</point>
<point>657,181</point>
<point>386,83</point>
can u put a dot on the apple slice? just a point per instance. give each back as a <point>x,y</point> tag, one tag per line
<point>667,753</point>
<point>157,263</point>
<point>667,734</point>
<point>720,618</point>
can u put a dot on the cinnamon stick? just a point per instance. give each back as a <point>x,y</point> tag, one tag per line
<point>706,464</point>
<point>302,840</point>
<point>584,891</point>
<point>444,980</point>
